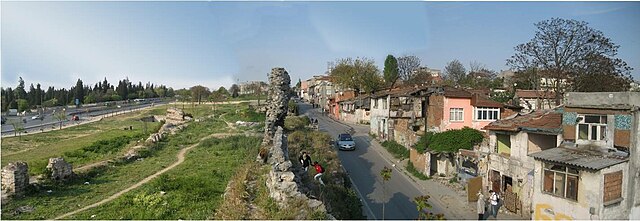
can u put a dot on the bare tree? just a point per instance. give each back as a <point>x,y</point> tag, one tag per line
<point>476,66</point>
<point>407,65</point>
<point>562,49</point>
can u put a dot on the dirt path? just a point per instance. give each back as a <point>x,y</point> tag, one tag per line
<point>180,156</point>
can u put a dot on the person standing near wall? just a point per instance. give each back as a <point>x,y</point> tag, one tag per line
<point>305,160</point>
<point>481,206</point>
<point>319,171</point>
<point>493,199</point>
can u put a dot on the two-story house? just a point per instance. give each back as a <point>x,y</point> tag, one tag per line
<point>509,170</point>
<point>594,173</point>
<point>536,99</point>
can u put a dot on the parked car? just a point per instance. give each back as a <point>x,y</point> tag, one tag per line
<point>345,142</point>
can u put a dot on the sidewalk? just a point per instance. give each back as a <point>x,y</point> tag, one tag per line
<point>454,201</point>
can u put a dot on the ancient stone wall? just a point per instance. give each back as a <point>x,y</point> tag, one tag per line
<point>15,178</point>
<point>277,103</point>
<point>60,170</point>
<point>281,181</point>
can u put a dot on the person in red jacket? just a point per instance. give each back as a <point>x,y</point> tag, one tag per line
<point>319,170</point>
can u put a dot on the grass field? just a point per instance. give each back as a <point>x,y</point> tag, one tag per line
<point>107,180</point>
<point>36,149</point>
<point>192,190</point>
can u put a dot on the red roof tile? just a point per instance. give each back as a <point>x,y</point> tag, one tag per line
<point>545,120</point>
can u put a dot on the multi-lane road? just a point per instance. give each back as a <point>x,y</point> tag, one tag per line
<point>82,113</point>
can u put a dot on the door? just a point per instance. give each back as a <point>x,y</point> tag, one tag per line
<point>495,181</point>
<point>474,185</point>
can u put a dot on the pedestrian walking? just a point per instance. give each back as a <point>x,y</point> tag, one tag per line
<point>305,160</point>
<point>493,199</point>
<point>481,206</point>
<point>319,171</point>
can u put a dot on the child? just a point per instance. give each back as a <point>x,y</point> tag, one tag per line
<point>319,170</point>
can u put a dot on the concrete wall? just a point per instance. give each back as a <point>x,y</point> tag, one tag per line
<point>362,116</point>
<point>419,161</point>
<point>590,194</point>
<point>633,186</point>
<point>602,98</point>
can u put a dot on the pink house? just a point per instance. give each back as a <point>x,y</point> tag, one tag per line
<point>454,108</point>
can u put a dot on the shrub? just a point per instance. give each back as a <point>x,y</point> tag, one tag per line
<point>396,149</point>
<point>296,123</point>
<point>415,172</point>
<point>450,141</point>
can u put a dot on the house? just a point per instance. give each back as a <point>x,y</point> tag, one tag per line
<point>536,99</point>
<point>453,108</point>
<point>509,170</point>
<point>450,108</point>
<point>334,101</point>
<point>355,110</point>
<point>593,173</point>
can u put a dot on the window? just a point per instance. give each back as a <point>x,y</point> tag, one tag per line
<point>487,113</point>
<point>375,103</point>
<point>612,186</point>
<point>592,127</point>
<point>560,181</point>
<point>456,114</point>
<point>504,144</point>
<point>384,103</point>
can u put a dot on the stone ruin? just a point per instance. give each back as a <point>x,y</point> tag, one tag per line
<point>277,102</point>
<point>281,181</point>
<point>60,170</point>
<point>15,178</point>
<point>174,115</point>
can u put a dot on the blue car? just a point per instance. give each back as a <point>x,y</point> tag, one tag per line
<point>346,142</point>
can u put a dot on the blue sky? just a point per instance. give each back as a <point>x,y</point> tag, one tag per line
<point>181,44</point>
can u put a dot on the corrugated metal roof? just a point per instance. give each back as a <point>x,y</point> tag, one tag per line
<point>579,158</point>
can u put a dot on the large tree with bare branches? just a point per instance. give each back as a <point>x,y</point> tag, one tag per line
<point>407,65</point>
<point>571,50</point>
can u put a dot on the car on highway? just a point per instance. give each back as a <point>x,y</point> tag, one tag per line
<point>41,117</point>
<point>346,142</point>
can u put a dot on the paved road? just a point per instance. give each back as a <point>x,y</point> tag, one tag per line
<point>49,118</point>
<point>364,166</point>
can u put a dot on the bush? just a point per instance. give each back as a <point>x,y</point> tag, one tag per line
<point>415,172</point>
<point>450,141</point>
<point>396,149</point>
<point>296,123</point>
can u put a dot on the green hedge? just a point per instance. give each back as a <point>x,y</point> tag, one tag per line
<point>450,141</point>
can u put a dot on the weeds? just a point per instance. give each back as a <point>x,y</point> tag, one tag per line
<point>415,172</point>
<point>397,150</point>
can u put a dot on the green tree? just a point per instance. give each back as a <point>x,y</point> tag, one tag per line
<point>390,70</point>
<point>61,116</point>
<point>79,91</point>
<point>455,72</point>
<point>18,126</point>
<point>360,74</point>
<point>23,105</point>
<point>234,90</point>
<point>570,49</point>
<point>199,92</point>
<point>20,92</point>
<point>422,204</point>
<point>385,173</point>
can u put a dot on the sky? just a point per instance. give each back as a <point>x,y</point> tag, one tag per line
<point>182,44</point>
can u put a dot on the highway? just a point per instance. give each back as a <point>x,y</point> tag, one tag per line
<point>82,112</point>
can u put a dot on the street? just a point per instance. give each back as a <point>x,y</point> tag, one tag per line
<point>49,118</point>
<point>364,165</point>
